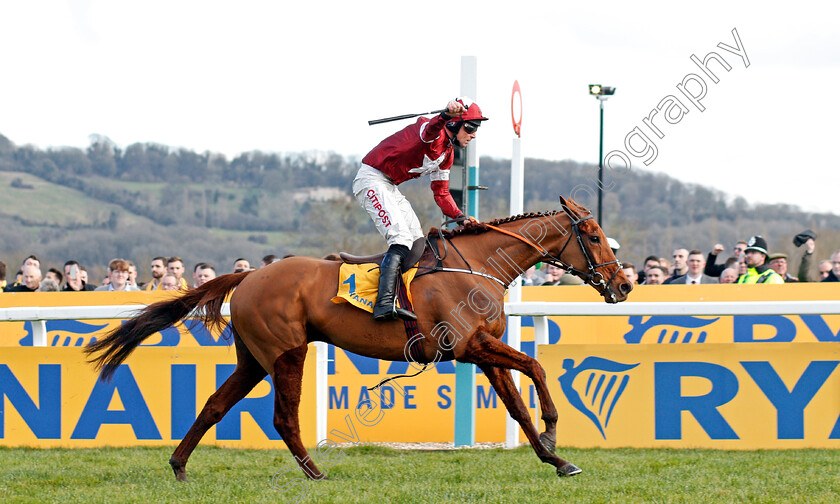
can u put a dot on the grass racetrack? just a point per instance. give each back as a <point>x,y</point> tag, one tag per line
<point>371,474</point>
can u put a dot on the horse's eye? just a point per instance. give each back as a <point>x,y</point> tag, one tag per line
<point>595,239</point>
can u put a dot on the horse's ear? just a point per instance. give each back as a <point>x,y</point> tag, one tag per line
<point>568,208</point>
<point>574,206</point>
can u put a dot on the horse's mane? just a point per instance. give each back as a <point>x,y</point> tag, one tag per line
<point>472,227</point>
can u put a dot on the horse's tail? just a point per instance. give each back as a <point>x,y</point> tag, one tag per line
<point>205,301</point>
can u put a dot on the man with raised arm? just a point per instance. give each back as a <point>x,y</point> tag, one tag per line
<point>423,148</point>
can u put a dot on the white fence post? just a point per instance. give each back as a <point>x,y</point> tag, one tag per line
<point>39,333</point>
<point>540,338</point>
<point>540,333</point>
<point>514,340</point>
<point>322,390</point>
<point>514,324</point>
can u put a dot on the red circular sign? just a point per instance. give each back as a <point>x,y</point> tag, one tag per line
<point>517,123</point>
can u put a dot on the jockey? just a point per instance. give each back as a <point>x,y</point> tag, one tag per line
<point>423,148</point>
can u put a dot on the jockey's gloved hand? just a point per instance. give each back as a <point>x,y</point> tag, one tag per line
<point>460,219</point>
<point>454,108</point>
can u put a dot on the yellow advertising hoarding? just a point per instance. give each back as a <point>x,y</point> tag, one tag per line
<point>409,410</point>
<point>635,329</point>
<point>51,398</point>
<point>78,333</point>
<point>727,396</point>
<point>421,409</point>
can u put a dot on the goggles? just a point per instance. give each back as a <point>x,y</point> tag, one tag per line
<point>471,127</point>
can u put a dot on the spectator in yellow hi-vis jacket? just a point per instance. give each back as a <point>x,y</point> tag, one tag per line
<point>755,257</point>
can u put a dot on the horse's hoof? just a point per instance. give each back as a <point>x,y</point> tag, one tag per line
<point>568,469</point>
<point>180,474</point>
<point>179,470</point>
<point>548,441</point>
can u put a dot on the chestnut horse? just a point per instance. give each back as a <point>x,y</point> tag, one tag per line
<point>277,310</point>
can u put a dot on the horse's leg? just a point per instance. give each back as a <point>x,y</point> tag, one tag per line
<point>485,349</point>
<point>496,352</point>
<point>288,375</point>
<point>503,383</point>
<point>245,377</point>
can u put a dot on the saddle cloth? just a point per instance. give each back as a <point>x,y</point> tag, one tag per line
<point>358,284</point>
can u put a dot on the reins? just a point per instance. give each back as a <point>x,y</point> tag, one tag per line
<point>440,267</point>
<point>386,380</point>
<point>588,277</point>
<point>592,277</point>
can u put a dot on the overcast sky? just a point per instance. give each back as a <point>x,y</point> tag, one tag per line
<point>297,76</point>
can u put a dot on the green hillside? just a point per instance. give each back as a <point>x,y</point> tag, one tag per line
<point>38,203</point>
<point>58,223</point>
<point>150,200</point>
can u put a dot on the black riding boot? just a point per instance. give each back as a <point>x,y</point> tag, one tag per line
<point>386,304</point>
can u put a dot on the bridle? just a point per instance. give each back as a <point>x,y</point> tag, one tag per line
<point>593,276</point>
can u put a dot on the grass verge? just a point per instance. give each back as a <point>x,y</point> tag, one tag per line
<point>371,474</point>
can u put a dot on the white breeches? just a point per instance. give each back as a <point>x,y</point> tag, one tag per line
<point>387,207</point>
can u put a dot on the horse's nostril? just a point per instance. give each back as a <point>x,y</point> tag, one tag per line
<point>625,288</point>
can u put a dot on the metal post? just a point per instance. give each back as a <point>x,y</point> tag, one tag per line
<point>540,338</point>
<point>601,167</point>
<point>321,390</point>
<point>514,324</point>
<point>465,394</point>
<point>39,333</point>
<point>540,333</point>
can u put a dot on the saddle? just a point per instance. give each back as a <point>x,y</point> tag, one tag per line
<point>425,255</point>
<point>418,249</point>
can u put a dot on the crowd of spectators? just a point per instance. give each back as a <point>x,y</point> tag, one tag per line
<point>167,273</point>
<point>749,262</point>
